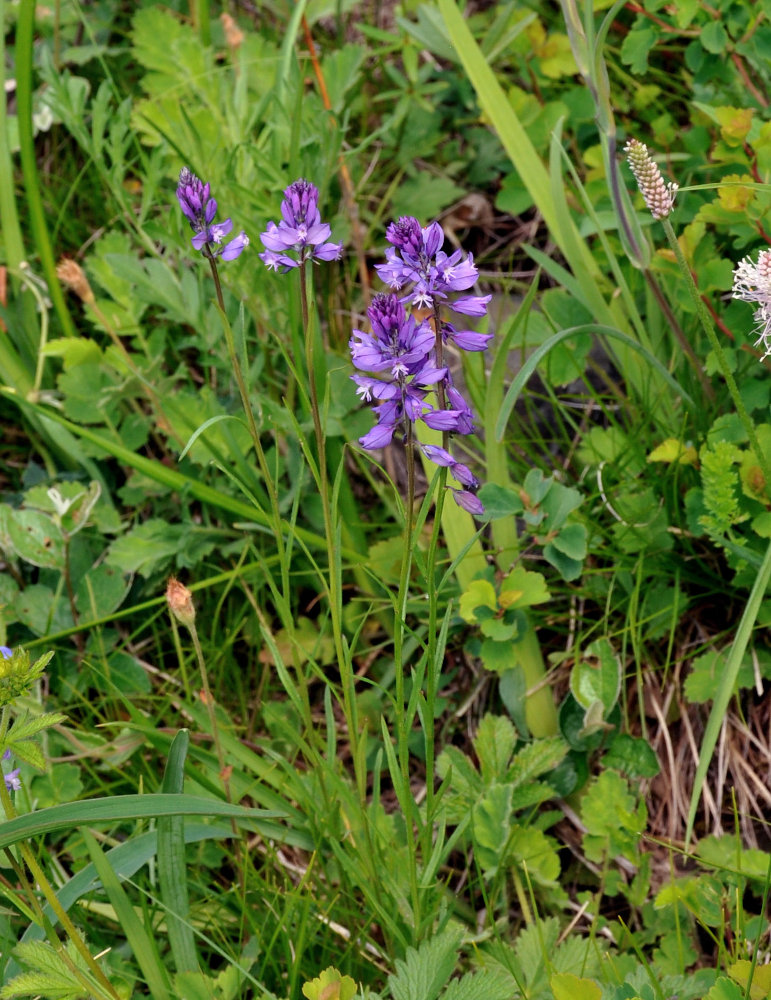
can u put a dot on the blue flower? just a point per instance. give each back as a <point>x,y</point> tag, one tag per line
<point>300,231</point>
<point>200,208</point>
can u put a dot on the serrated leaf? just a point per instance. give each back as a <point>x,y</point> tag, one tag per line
<point>636,47</point>
<point>490,823</point>
<point>27,725</point>
<point>614,824</point>
<point>724,989</point>
<point>535,759</point>
<point>425,970</point>
<point>530,848</point>
<point>494,744</point>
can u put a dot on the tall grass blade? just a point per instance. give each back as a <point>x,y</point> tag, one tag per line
<point>172,867</point>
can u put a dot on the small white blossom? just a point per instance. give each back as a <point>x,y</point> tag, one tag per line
<point>752,283</point>
<point>659,196</point>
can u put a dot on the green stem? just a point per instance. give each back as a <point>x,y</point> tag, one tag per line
<point>334,582</point>
<point>401,716</point>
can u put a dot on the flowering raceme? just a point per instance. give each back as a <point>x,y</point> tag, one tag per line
<point>200,208</point>
<point>752,283</point>
<point>300,231</point>
<point>407,355</point>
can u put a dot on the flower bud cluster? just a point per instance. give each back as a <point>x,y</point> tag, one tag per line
<point>200,208</point>
<point>300,231</point>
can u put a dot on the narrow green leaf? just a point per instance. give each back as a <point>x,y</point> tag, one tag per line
<point>118,807</point>
<point>142,944</point>
<point>727,682</point>
<point>172,868</point>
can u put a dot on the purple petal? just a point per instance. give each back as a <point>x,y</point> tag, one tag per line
<point>328,251</point>
<point>277,261</point>
<point>236,246</point>
<point>438,455</point>
<point>469,340</point>
<point>468,501</point>
<point>433,238</point>
<point>471,305</point>
<point>379,437</point>
<point>463,474</point>
<point>6,651</point>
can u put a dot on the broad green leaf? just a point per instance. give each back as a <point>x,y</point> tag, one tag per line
<point>330,985</point>
<point>597,676</point>
<point>521,589</point>
<point>33,537</point>
<point>633,756</point>
<point>479,594</point>
<point>761,978</point>
<point>566,986</point>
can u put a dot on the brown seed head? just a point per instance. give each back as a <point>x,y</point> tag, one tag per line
<point>233,34</point>
<point>72,275</point>
<point>180,601</point>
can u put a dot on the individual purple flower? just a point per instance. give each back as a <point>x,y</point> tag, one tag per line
<point>7,653</point>
<point>12,780</point>
<point>459,471</point>
<point>468,501</point>
<point>200,208</point>
<point>300,231</point>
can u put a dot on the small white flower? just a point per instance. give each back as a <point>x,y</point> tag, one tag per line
<point>752,283</point>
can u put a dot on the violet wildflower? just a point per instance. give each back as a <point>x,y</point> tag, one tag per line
<point>200,208</point>
<point>300,231</point>
<point>752,283</point>
<point>408,355</point>
<point>659,196</point>
<point>399,349</point>
<point>11,778</point>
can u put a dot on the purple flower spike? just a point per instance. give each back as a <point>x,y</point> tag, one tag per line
<point>406,355</point>
<point>199,210</point>
<point>300,231</point>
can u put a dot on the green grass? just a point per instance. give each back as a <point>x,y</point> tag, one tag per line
<point>401,753</point>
